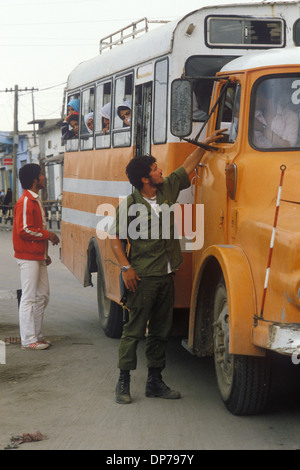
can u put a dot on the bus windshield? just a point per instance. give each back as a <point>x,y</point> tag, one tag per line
<point>274,115</point>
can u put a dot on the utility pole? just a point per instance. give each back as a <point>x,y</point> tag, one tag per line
<point>33,117</point>
<point>16,138</point>
<point>15,146</point>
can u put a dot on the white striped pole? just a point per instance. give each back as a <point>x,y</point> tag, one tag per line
<point>282,168</point>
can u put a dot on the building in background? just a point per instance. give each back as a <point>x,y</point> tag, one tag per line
<point>6,150</point>
<point>51,155</point>
<point>24,155</point>
<point>44,147</point>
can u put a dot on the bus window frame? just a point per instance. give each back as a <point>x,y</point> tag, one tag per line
<point>100,134</point>
<point>154,106</point>
<point>143,90</point>
<point>86,136</point>
<point>119,131</point>
<point>252,108</point>
<point>243,46</point>
<point>204,77</point>
<point>296,33</point>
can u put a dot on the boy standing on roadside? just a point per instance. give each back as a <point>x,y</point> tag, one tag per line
<point>30,240</point>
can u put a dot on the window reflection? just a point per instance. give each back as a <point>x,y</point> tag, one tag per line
<point>228,112</point>
<point>275,114</point>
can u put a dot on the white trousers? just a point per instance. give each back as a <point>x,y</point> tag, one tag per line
<point>34,299</point>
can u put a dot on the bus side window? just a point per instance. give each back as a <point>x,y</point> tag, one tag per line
<point>228,112</point>
<point>70,127</point>
<point>274,113</point>
<point>297,32</point>
<point>122,111</point>
<point>196,68</point>
<point>87,119</point>
<point>102,121</point>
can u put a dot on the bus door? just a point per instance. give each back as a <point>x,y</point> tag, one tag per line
<point>143,118</point>
<point>228,117</point>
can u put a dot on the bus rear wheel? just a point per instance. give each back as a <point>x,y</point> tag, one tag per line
<point>110,313</point>
<point>243,381</point>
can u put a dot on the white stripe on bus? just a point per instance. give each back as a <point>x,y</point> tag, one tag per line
<point>97,188</point>
<point>84,219</point>
<point>112,189</point>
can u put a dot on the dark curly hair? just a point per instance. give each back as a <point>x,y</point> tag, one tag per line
<point>139,168</point>
<point>28,173</point>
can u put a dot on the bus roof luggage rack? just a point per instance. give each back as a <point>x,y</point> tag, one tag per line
<point>128,32</point>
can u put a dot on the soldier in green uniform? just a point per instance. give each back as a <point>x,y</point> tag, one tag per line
<point>148,274</point>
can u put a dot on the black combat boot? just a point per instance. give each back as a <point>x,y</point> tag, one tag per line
<point>155,386</point>
<point>123,388</point>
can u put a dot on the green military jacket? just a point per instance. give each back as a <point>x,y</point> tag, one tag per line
<point>151,234</point>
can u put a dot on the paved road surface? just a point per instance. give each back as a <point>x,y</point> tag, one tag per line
<point>67,392</point>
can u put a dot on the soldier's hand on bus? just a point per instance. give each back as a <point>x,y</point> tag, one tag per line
<point>194,158</point>
<point>53,238</point>
<point>131,279</point>
<point>216,135</point>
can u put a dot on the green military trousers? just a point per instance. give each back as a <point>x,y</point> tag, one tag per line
<point>151,307</point>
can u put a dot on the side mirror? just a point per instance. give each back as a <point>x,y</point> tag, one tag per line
<point>181,108</point>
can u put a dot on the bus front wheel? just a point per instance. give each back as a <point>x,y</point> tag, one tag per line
<point>243,381</point>
<point>110,313</point>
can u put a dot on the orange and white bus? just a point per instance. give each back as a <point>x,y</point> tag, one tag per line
<point>142,75</point>
<point>246,278</point>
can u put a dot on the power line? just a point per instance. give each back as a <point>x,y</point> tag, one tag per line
<point>50,87</point>
<point>74,22</point>
<point>9,4</point>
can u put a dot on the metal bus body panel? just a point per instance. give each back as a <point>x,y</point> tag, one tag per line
<point>236,270</point>
<point>75,240</point>
<point>101,184</point>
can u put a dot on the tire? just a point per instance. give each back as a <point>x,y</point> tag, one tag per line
<point>243,381</point>
<point>110,313</point>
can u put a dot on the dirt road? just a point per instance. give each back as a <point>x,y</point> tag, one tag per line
<point>67,392</point>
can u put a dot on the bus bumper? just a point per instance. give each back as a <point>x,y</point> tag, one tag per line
<point>283,338</point>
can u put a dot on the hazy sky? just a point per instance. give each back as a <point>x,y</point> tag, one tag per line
<point>41,41</point>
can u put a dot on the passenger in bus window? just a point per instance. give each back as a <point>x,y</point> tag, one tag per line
<point>198,113</point>
<point>105,112</point>
<point>89,122</point>
<point>260,124</point>
<point>124,113</point>
<point>70,127</point>
<point>201,99</point>
<point>73,106</point>
<point>74,123</point>
<point>275,124</point>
